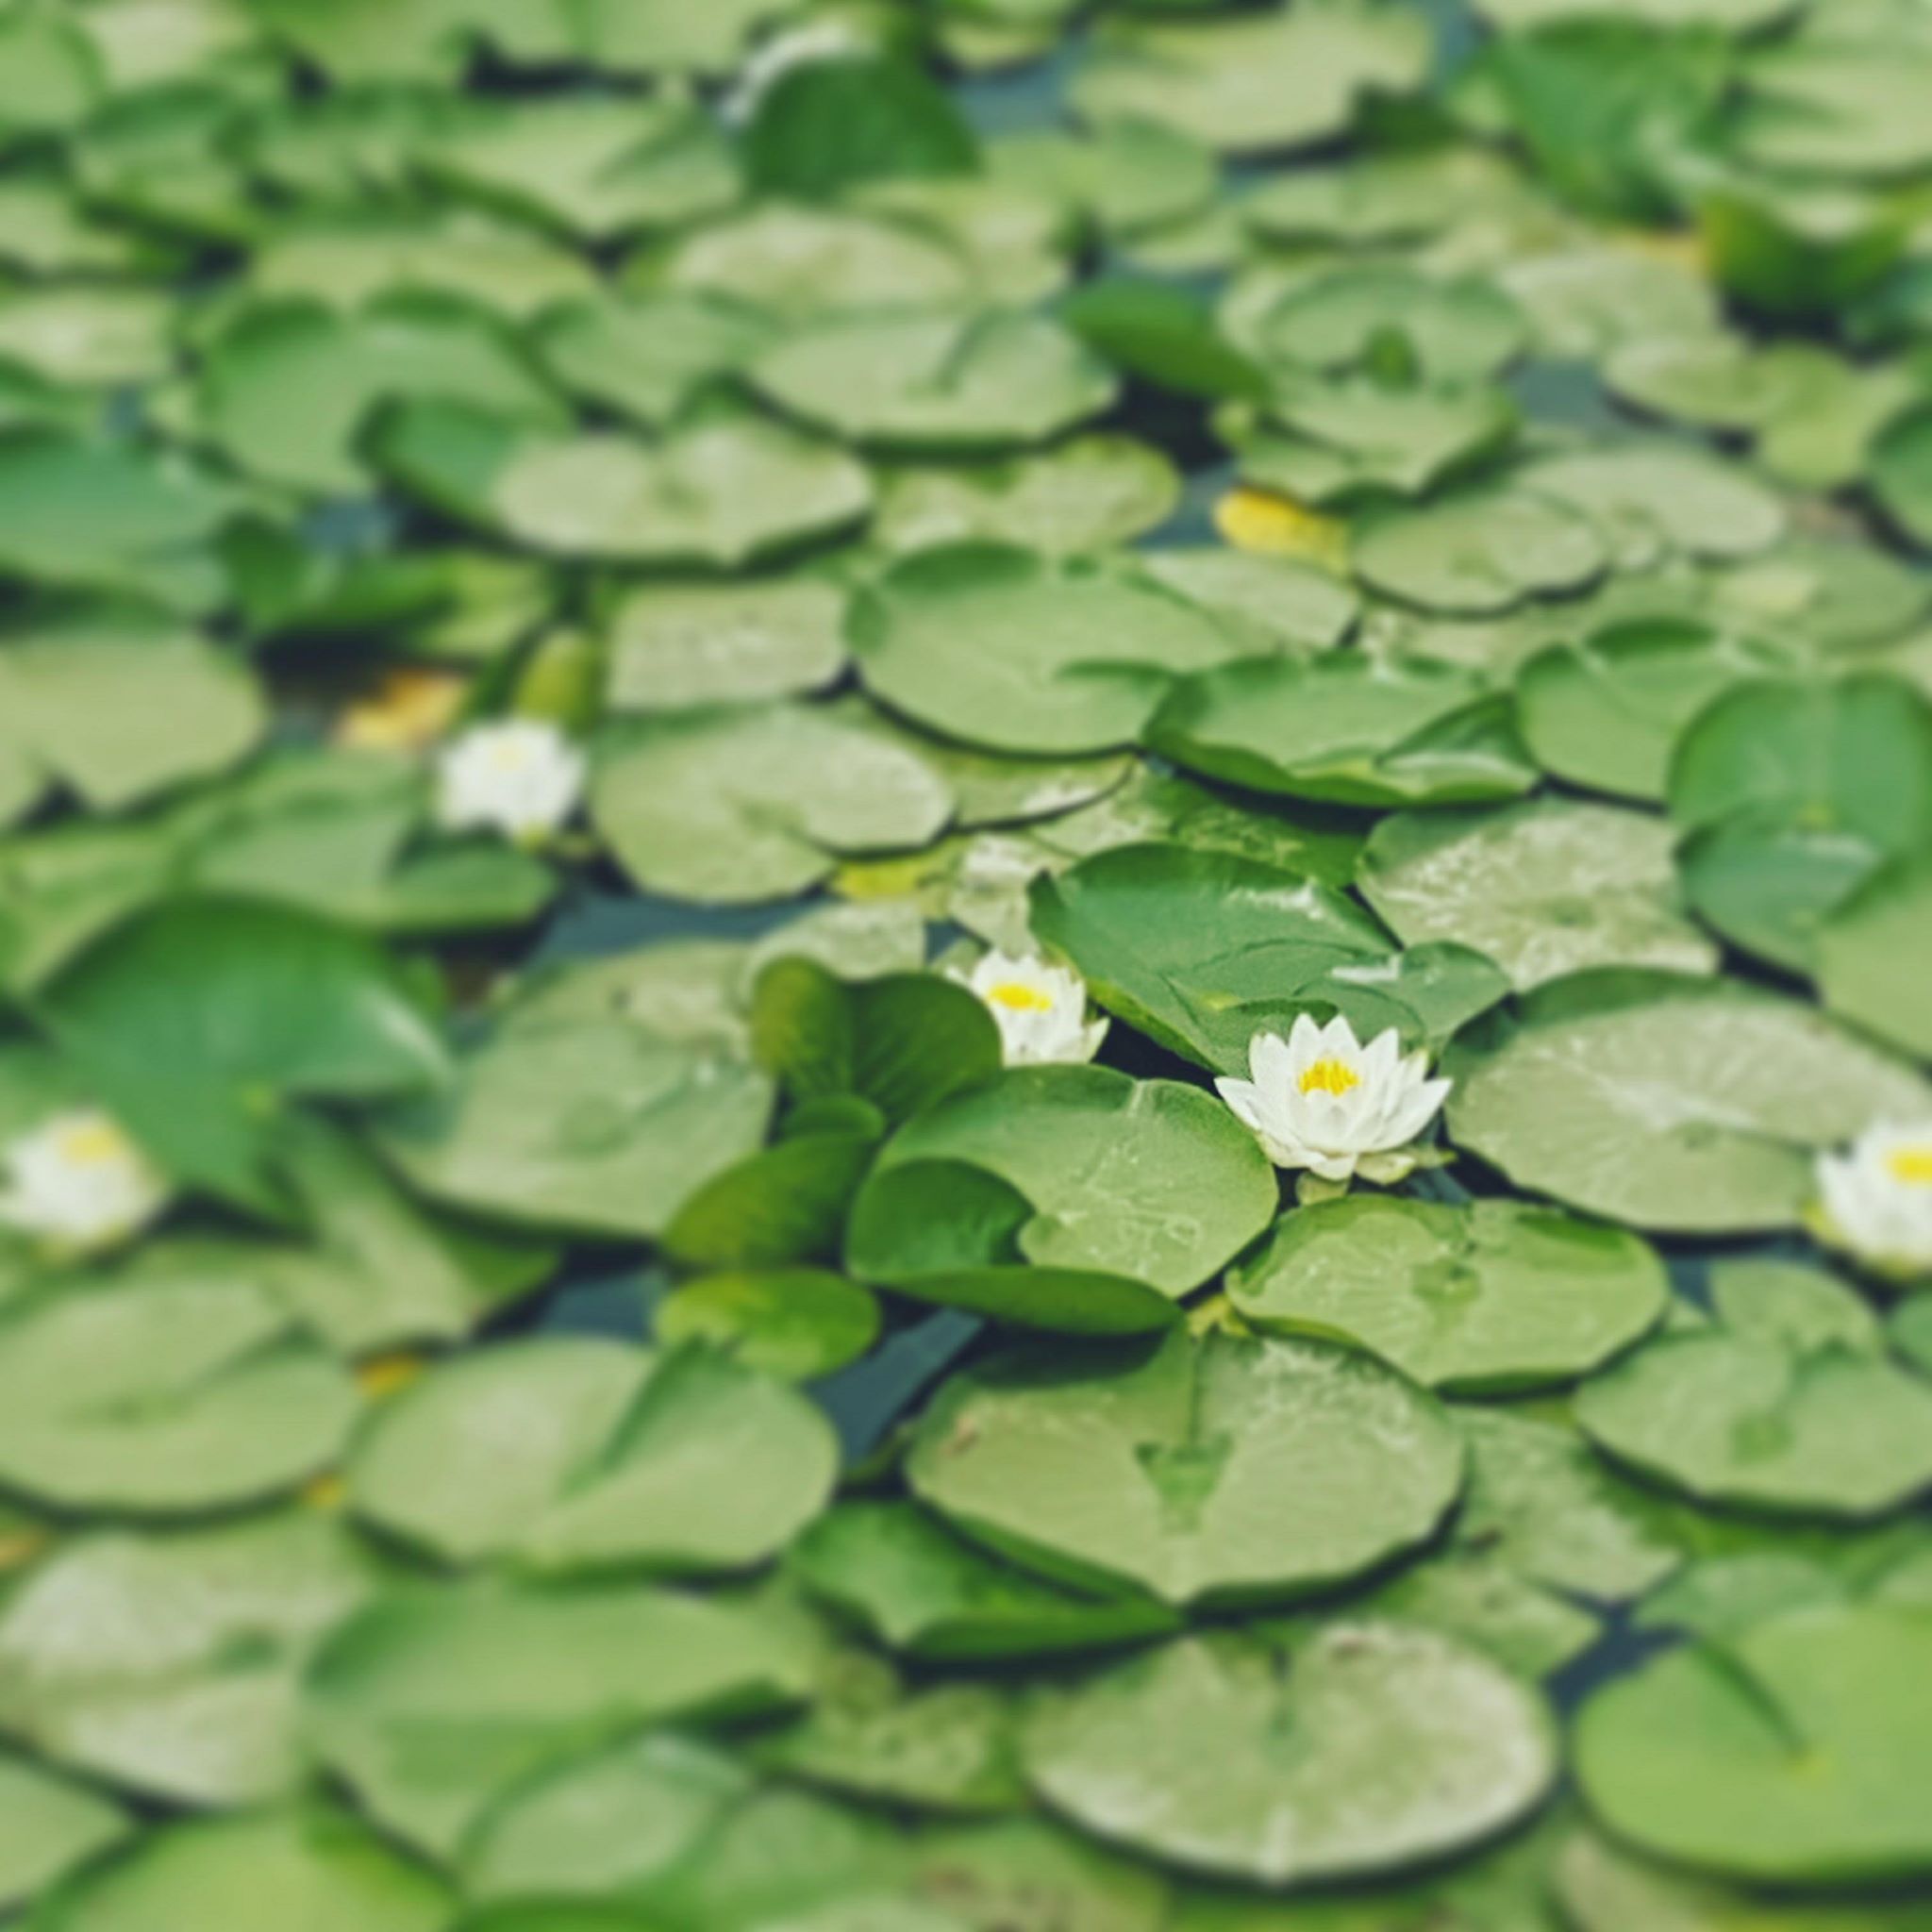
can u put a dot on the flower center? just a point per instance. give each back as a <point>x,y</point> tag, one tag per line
<point>98,1144</point>
<point>510,755</point>
<point>1329,1076</point>
<point>1017,997</point>
<point>1911,1165</point>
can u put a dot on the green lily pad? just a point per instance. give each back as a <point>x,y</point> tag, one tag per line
<point>1651,500</point>
<point>1003,649</point>
<point>1793,1754</point>
<point>1671,1103</point>
<point>1282,605</point>
<point>950,380</point>
<point>1605,712</point>
<point>1202,950</point>
<point>285,386</point>
<point>1062,1198</point>
<point>680,644</point>
<point>1408,1746</point>
<point>1865,950</point>
<point>1479,552</point>
<point>84,338</point>
<point>570,1454</point>
<point>1280,79</point>
<point>182,1683</point>
<point>794,1324</point>
<point>80,686</point>
<point>1214,1472</point>
<point>906,1579</point>
<point>433,1704</point>
<point>1544,888</point>
<point>1808,1425</point>
<point>732,805</point>
<point>1074,498</point>
<point>154,1400</point>
<point>48,1826</point>
<point>1344,729</point>
<point>719,491</point>
<point>591,1125</point>
<point>646,355</point>
<point>307,1866</point>
<point>1480,1299</point>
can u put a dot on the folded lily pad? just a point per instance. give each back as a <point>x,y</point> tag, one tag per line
<point>1062,1198</point>
<point>570,1454</point>
<point>1793,1754</point>
<point>1492,1296</point>
<point>1671,1103</point>
<point>732,805</point>
<point>945,381</point>
<point>1003,649</point>
<point>1212,1472</point>
<point>1544,888</point>
<point>1344,729</point>
<point>1407,1747</point>
<point>432,1703</point>
<point>1202,950</point>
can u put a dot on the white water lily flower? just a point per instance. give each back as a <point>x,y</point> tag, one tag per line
<point>1877,1197</point>
<point>77,1184</point>
<point>521,776</point>
<point>1321,1100</point>
<point>1042,1009</point>
<point>774,58</point>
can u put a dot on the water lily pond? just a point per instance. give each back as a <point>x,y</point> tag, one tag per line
<point>964,965</point>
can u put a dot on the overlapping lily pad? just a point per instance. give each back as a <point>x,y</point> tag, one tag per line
<point>1218,1470</point>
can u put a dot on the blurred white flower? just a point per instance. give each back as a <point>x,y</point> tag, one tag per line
<point>771,60</point>
<point>1041,1009</point>
<point>77,1184</point>
<point>521,776</point>
<point>1322,1101</point>
<point>1877,1197</point>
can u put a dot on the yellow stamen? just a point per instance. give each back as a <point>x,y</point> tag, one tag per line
<point>1017,997</point>
<point>1330,1077</point>
<point>97,1143</point>
<point>1911,1165</point>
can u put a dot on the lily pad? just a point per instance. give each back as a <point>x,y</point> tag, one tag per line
<point>570,1454</point>
<point>1345,729</point>
<point>311,1865</point>
<point>1408,1746</point>
<point>905,1578</point>
<point>794,1324</point>
<point>1202,950</point>
<point>719,491</point>
<point>1544,888</point>
<point>1218,1472</point>
<point>675,646</point>
<point>1062,1198</point>
<point>432,1703</point>
<point>581,1124</point>
<point>182,1683</point>
<point>51,1824</point>
<point>1480,552</point>
<point>729,805</point>
<point>1003,649</point>
<point>945,381</point>
<point>1670,1103</point>
<point>1480,1299</point>
<point>1792,1753</point>
<point>154,1400</point>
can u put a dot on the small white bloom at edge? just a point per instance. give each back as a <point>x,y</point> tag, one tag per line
<point>78,1184</point>
<point>521,776</point>
<point>1322,1100</point>
<point>1041,1009</point>
<point>1877,1196</point>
